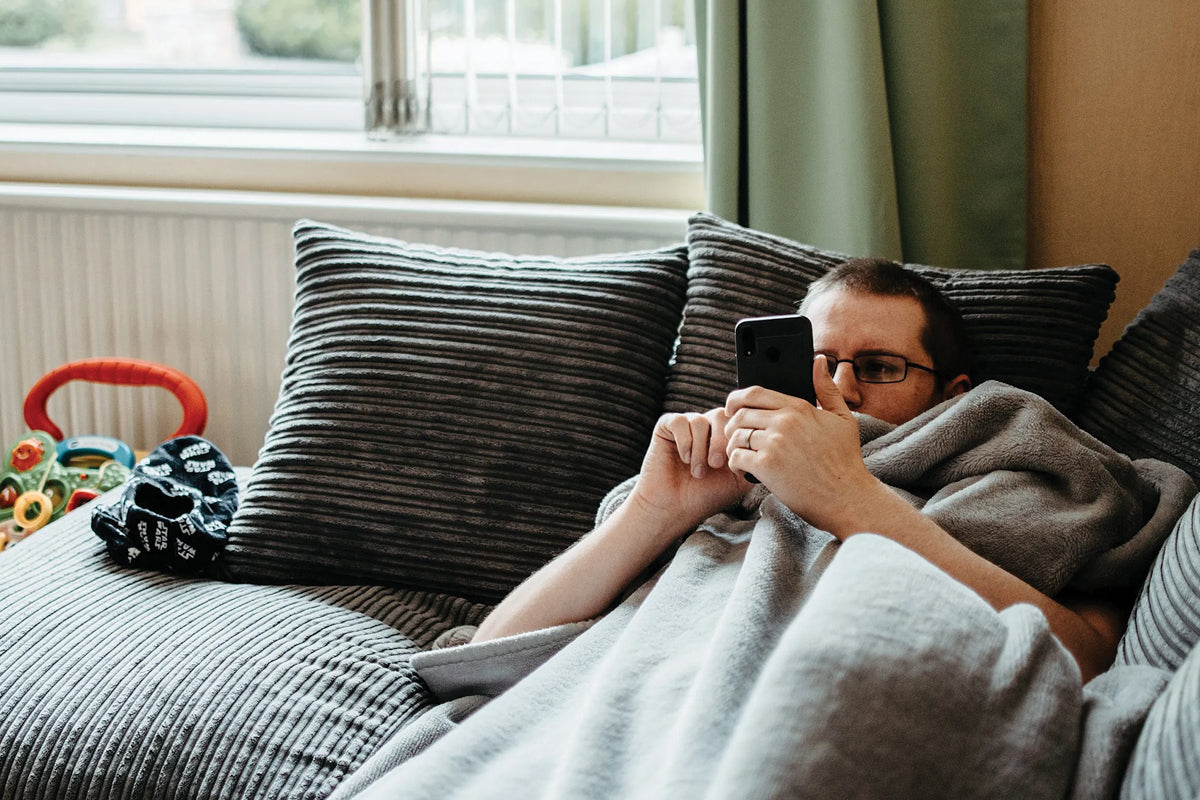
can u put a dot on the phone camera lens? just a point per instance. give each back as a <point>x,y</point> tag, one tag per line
<point>748,343</point>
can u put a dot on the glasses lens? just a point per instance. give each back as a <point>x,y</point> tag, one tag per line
<point>879,369</point>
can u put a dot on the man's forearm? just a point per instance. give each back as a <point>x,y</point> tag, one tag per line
<point>1090,637</point>
<point>586,579</point>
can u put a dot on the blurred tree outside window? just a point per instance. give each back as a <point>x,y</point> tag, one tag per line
<point>29,23</point>
<point>320,29</point>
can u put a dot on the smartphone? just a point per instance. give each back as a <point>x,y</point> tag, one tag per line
<point>776,353</point>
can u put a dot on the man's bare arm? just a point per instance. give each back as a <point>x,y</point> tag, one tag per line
<point>683,481</point>
<point>1090,634</point>
<point>585,580</point>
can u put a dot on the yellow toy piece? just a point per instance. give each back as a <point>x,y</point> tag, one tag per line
<point>36,500</point>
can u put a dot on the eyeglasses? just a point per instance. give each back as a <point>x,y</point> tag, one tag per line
<point>878,367</point>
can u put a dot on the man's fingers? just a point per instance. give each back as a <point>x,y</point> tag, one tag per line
<point>701,434</point>
<point>699,439</point>
<point>754,397</point>
<point>678,429</point>
<point>717,438</point>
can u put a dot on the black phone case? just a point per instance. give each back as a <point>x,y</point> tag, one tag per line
<point>776,353</point>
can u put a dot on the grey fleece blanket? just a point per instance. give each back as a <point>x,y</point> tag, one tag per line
<point>1017,482</point>
<point>767,660</point>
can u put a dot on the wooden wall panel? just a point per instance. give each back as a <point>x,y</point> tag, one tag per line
<point>1114,141</point>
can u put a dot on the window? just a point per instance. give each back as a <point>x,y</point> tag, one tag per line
<point>622,70</point>
<point>614,69</point>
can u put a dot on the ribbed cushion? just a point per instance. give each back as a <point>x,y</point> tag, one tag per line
<point>123,684</point>
<point>1144,397</point>
<point>1165,623</point>
<point>449,419</point>
<point>733,272</point>
<point>1166,760</point>
<point>1034,329</point>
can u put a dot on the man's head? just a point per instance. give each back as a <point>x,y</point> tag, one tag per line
<point>874,307</point>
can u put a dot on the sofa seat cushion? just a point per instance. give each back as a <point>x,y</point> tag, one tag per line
<point>119,683</point>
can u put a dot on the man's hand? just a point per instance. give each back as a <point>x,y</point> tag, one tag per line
<point>808,456</point>
<point>685,475</point>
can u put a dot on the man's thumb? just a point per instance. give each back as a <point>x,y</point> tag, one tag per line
<point>829,397</point>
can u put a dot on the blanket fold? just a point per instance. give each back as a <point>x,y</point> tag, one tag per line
<point>488,668</point>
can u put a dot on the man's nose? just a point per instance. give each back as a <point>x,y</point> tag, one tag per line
<point>847,383</point>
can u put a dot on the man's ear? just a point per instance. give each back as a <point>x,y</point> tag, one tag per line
<point>960,384</point>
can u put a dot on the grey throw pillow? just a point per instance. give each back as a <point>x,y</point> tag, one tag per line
<point>1165,623</point>
<point>1034,329</point>
<point>1166,759</point>
<point>448,419</point>
<point>733,272</point>
<point>1142,398</point>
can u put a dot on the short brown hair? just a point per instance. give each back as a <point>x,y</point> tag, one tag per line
<point>944,337</point>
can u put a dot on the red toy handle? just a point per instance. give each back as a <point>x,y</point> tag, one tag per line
<point>123,372</point>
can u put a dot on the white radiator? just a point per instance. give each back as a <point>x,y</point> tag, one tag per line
<point>203,281</point>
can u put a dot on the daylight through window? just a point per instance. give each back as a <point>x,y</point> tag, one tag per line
<point>594,69</point>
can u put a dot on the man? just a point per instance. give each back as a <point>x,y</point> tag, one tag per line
<point>876,329</point>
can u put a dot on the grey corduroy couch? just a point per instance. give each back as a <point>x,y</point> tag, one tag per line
<point>447,422</point>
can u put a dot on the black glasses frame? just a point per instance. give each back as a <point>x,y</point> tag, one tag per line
<point>833,363</point>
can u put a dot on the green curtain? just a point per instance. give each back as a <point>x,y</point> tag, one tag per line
<point>872,127</point>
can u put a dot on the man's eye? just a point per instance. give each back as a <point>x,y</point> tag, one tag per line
<point>876,368</point>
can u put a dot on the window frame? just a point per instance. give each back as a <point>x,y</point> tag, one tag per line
<point>553,171</point>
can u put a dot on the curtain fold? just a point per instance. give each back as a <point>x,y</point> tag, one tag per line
<point>872,127</point>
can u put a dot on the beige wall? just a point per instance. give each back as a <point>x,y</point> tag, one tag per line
<point>1114,137</point>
